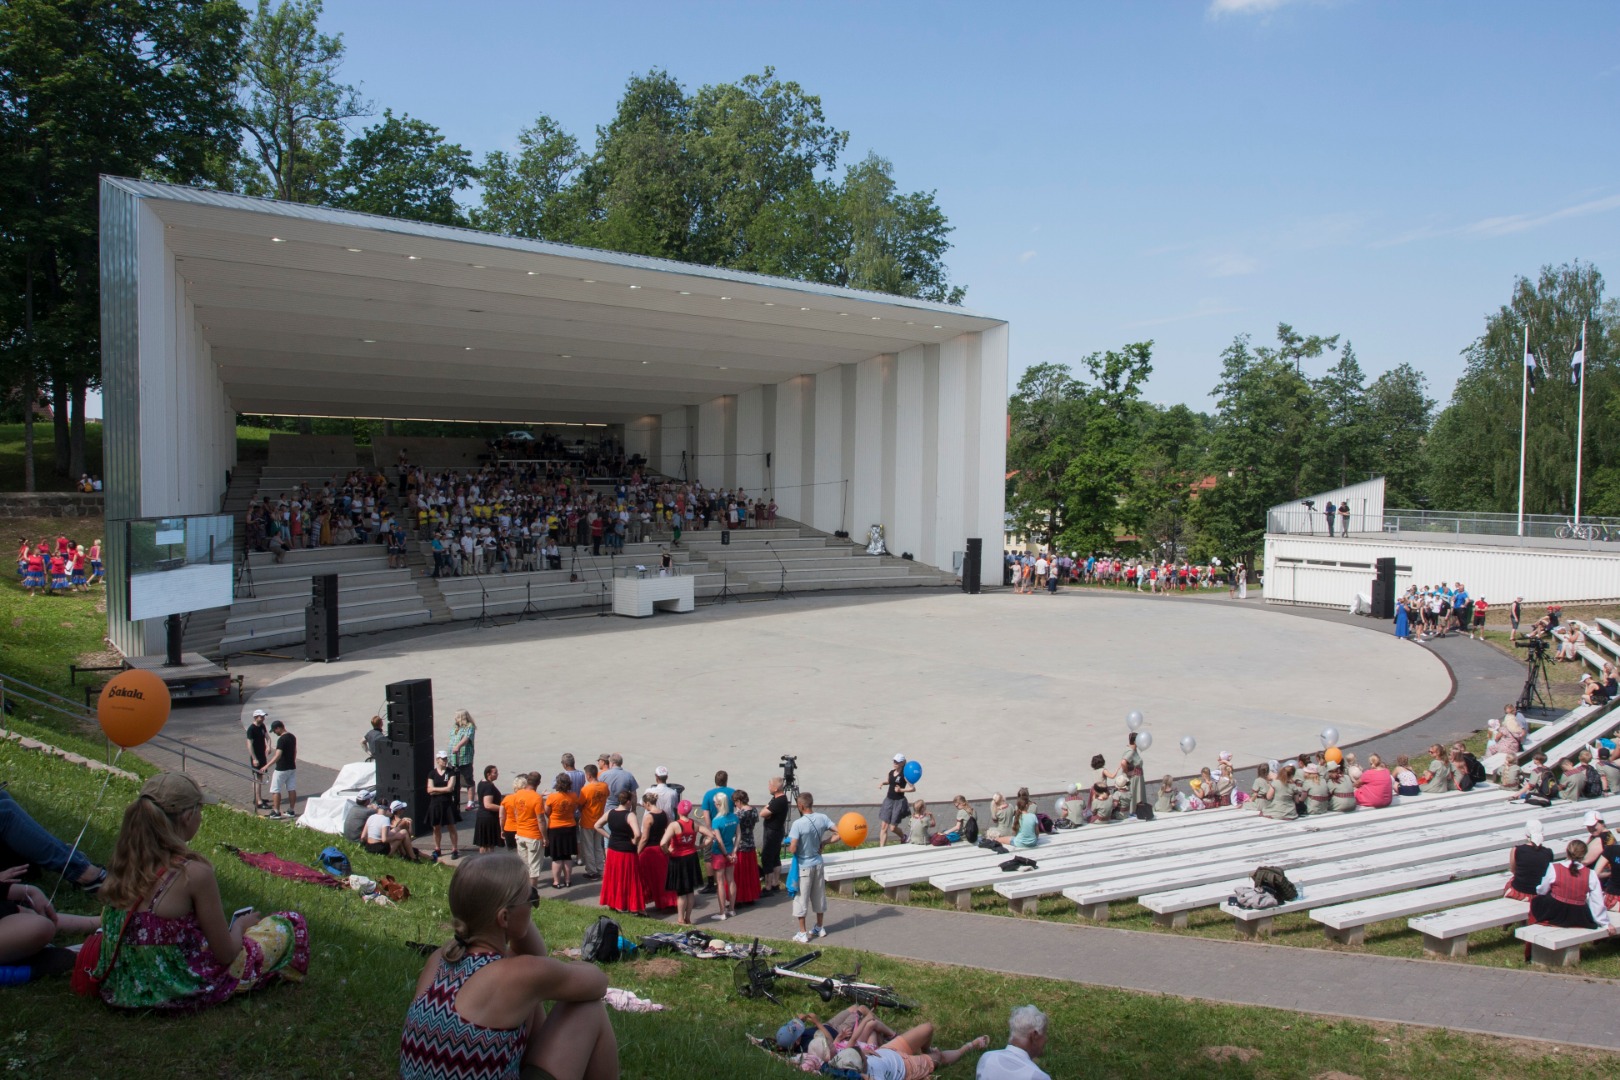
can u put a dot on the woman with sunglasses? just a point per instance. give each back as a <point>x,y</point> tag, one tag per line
<point>480,1009</point>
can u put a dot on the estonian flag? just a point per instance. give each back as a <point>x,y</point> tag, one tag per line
<point>1530,369</point>
<point>1576,362</point>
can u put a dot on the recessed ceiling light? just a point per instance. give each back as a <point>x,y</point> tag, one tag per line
<point>635,286</point>
<point>769,304</point>
<point>413,258</point>
<point>685,293</point>
<point>725,369</point>
<point>804,309</point>
<point>355,250</point>
<point>938,327</point>
<point>369,340</point>
<point>877,318</point>
<point>478,266</point>
<point>646,361</point>
<point>843,313</point>
<point>277,240</point>
<point>534,273</point>
<point>467,348</point>
<point>567,356</point>
<point>725,298</point>
<point>588,281</point>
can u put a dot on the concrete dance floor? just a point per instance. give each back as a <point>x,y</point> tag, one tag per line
<point>987,692</point>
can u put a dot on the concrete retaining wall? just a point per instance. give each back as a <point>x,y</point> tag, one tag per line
<point>50,504</point>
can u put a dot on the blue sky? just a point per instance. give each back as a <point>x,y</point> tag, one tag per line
<point>1181,171</point>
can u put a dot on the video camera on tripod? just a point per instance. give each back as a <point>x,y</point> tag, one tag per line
<point>790,765</point>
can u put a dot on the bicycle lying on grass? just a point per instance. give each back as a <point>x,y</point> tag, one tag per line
<point>755,977</point>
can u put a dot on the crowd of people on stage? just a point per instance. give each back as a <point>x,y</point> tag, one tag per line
<point>57,568</point>
<point>1032,571</point>
<point>1436,611</point>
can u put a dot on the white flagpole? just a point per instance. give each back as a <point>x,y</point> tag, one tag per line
<point>1524,416</point>
<point>1580,425</point>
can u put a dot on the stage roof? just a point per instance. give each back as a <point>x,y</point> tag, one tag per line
<point>324,312</point>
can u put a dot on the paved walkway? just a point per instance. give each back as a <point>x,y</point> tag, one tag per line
<point>1568,1009</point>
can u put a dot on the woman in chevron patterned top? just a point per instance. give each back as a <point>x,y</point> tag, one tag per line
<point>479,1011</point>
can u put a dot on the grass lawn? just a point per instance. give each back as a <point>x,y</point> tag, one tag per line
<point>1565,678</point>
<point>45,478</point>
<point>344,1020</point>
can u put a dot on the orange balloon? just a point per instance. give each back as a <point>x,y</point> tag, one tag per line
<point>1332,754</point>
<point>852,829</point>
<point>134,706</point>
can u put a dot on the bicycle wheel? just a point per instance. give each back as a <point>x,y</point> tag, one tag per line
<point>1562,532</point>
<point>876,997</point>
<point>752,978</point>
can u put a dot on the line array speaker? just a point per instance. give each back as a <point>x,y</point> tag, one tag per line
<point>321,620</point>
<point>972,559</point>
<point>402,774</point>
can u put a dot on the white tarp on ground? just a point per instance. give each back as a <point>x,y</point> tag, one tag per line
<point>331,812</point>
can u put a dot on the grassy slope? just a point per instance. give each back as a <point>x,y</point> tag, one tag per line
<point>45,478</point>
<point>344,1021</point>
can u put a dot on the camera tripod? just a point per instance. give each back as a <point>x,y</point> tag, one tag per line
<point>1536,668</point>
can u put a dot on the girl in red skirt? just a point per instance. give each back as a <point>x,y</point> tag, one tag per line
<point>621,873</point>
<point>747,858</point>
<point>650,857</point>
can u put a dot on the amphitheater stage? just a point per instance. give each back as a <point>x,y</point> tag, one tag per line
<point>987,692</point>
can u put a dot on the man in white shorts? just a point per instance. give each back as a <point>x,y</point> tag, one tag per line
<point>804,843</point>
<point>283,770</point>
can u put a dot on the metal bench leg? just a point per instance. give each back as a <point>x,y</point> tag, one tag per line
<point>1540,954</point>
<point>1350,935</point>
<point>1253,928</point>
<point>900,894</point>
<point>1453,947</point>
<point>1175,920</point>
<point>1094,912</point>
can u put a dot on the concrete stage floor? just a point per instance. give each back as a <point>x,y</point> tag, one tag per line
<point>987,692</point>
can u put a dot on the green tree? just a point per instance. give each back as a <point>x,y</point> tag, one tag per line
<point>293,106</point>
<point>1473,451</point>
<point>529,193</point>
<point>1045,419</point>
<point>889,242</point>
<point>1166,471</point>
<point>1399,415</point>
<point>401,167</point>
<point>1097,482</point>
<point>1340,451</point>
<point>90,87</point>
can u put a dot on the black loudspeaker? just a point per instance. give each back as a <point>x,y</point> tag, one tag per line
<point>1384,587</point>
<point>970,564</point>
<point>321,620</point>
<point>1385,568</point>
<point>725,537</point>
<point>410,713</point>
<point>1380,610</point>
<point>402,774</point>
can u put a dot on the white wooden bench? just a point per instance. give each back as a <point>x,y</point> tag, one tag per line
<point>1255,922</point>
<point>1347,923</point>
<point>1558,946</point>
<point>1605,722</point>
<point>1172,901</point>
<point>1291,844</point>
<point>1597,636</point>
<point>1557,729</point>
<point>1610,627</point>
<point>1445,933</point>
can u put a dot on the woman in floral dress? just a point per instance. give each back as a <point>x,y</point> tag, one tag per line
<point>166,941</point>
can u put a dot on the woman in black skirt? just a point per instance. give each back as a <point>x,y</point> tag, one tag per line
<point>487,826</point>
<point>1569,894</point>
<point>684,877</point>
<point>562,808</point>
<point>442,812</point>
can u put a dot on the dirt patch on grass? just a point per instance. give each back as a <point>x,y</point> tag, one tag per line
<point>659,967</point>
<point>1334,1074</point>
<point>1240,1054</point>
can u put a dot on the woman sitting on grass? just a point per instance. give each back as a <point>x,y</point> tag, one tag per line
<point>166,940</point>
<point>28,922</point>
<point>480,1007</point>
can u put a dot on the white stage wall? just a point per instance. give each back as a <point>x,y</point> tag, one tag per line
<point>1317,570</point>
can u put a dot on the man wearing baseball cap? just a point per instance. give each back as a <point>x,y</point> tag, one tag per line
<point>896,808</point>
<point>1598,836</point>
<point>283,770</point>
<point>258,743</point>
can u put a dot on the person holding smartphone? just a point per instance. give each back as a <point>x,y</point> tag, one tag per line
<point>166,942</point>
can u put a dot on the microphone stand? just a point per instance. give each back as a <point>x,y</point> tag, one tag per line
<point>528,603</point>
<point>781,588</point>
<point>486,621</point>
<point>725,588</point>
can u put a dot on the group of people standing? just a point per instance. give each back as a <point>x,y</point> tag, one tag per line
<point>57,568</point>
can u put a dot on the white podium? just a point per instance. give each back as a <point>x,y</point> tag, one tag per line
<point>637,597</point>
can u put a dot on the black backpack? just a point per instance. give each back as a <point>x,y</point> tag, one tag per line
<point>1476,771</point>
<point>601,944</point>
<point>970,830</point>
<point>1274,881</point>
<point>1593,788</point>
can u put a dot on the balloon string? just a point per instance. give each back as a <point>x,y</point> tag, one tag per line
<point>74,850</point>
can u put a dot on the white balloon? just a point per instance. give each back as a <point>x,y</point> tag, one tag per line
<point>1134,721</point>
<point>1144,739</point>
<point>1329,737</point>
<point>1188,744</point>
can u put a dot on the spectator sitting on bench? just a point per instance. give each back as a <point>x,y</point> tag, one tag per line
<point>1593,692</point>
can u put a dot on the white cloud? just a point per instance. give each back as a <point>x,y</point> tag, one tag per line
<point>1204,309</point>
<point>1028,255</point>
<point>1503,224</point>
<point>1217,8</point>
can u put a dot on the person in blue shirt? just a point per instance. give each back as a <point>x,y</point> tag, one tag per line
<point>720,788</point>
<point>805,839</point>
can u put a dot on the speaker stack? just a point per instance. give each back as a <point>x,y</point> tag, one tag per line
<point>1383,590</point>
<point>321,620</point>
<point>407,756</point>
<point>971,560</point>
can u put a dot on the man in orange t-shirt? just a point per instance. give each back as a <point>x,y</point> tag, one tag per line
<point>522,812</point>
<point>595,794</point>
